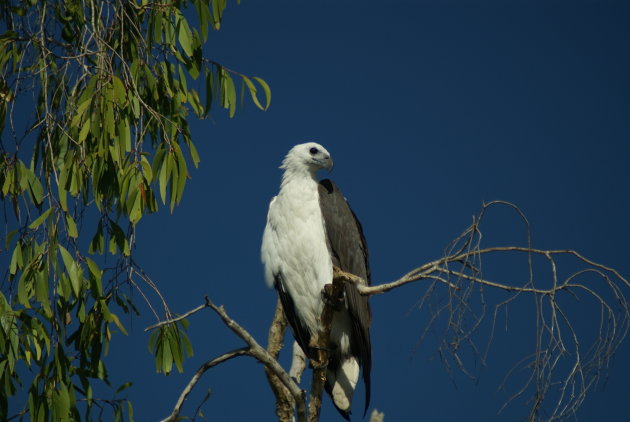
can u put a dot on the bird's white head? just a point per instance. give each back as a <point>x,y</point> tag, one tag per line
<point>308,157</point>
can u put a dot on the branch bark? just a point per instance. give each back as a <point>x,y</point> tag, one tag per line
<point>260,354</point>
<point>174,416</point>
<point>320,343</point>
<point>285,403</point>
<point>254,350</point>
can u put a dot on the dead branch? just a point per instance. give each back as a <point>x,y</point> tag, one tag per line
<point>254,350</point>
<point>560,357</point>
<point>285,404</point>
<point>258,352</point>
<point>557,343</point>
<point>377,416</point>
<point>298,363</point>
<point>174,416</point>
<point>179,318</point>
<point>319,345</point>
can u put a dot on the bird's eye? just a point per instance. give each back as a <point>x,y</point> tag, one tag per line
<point>313,151</point>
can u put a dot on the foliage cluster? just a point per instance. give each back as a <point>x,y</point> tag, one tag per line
<point>111,85</point>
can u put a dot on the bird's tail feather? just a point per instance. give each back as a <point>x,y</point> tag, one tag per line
<point>341,381</point>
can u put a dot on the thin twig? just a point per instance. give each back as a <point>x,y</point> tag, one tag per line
<point>179,318</point>
<point>193,381</point>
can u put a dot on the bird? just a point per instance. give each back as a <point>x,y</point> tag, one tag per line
<point>311,228</point>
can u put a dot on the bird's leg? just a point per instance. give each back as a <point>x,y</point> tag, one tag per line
<point>333,297</point>
<point>319,352</point>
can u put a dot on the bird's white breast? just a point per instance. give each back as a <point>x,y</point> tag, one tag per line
<point>294,244</point>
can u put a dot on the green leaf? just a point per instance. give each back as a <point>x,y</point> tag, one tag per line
<point>39,220</point>
<point>110,123</point>
<point>204,17</point>
<point>124,135</point>
<point>62,403</point>
<point>228,93</point>
<point>16,259</point>
<point>157,27</point>
<point>97,245</point>
<point>110,317</point>
<point>252,91</point>
<point>37,192</point>
<point>147,172</point>
<point>184,36</point>
<point>120,93</point>
<point>10,236</point>
<point>85,130</point>
<point>194,155</point>
<point>76,120</point>
<point>182,79</point>
<point>135,106</point>
<point>136,209</point>
<point>73,270</point>
<point>96,274</point>
<point>41,291</point>
<point>163,177</point>
<point>209,89</point>
<point>123,387</point>
<point>25,289</point>
<point>167,356</point>
<point>217,12</point>
<point>63,200</point>
<point>266,89</point>
<point>183,173</point>
<point>72,227</point>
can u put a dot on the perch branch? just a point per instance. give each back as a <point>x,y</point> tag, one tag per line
<point>284,400</point>
<point>319,345</point>
<point>260,354</point>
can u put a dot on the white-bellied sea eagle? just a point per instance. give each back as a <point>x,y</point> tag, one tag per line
<point>310,227</point>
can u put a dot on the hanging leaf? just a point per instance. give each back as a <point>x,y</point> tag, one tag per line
<point>39,220</point>
<point>72,269</point>
<point>72,227</point>
<point>184,36</point>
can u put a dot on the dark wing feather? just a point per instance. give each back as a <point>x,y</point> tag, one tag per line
<point>300,331</point>
<point>349,252</point>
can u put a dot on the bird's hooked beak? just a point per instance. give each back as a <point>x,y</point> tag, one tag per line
<point>328,163</point>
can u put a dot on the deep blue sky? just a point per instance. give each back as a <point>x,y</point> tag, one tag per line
<point>428,108</point>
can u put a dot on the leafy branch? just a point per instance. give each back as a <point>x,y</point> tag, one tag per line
<point>108,88</point>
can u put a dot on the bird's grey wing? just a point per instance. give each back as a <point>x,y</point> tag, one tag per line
<point>349,252</point>
<point>300,331</point>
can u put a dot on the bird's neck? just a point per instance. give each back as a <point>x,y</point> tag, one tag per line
<point>301,175</point>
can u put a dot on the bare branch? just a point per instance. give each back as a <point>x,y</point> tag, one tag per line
<point>377,416</point>
<point>193,381</point>
<point>298,363</point>
<point>319,344</point>
<point>285,404</point>
<point>556,342</point>
<point>260,354</point>
<point>559,357</point>
<point>179,318</point>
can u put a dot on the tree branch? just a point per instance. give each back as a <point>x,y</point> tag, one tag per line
<point>193,381</point>
<point>285,404</point>
<point>556,338</point>
<point>320,343</point>
<point>179,318</point>
<point>260,354</point>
